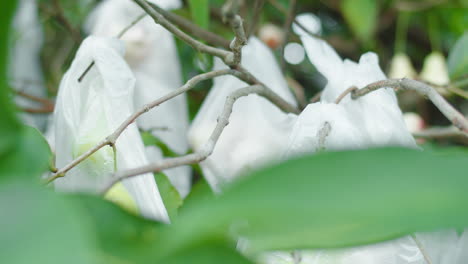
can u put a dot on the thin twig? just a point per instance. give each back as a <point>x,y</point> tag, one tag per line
<point>226,56</point>
<point>134,22</point>
<point>257,10</point>
<point>43,110</point>
<point>343,95</point>
<point>441,132</point>
<point>208,147</point>
<point>422,249</point>
<point>34,98</point>
<point>316,97</point>
<point>121,33</point>
<point>447,109</point>
<point>62,19</point>
<point>235,22</point>
<point>282,9</point>
<point>112,138</point>
<point>290,16</point>
<point>192,28</point>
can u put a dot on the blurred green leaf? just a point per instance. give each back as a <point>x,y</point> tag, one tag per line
<point>122,237</point>
<point>458,58</point>
<point>41,227</point>
<point>333,200</point>
<point>211,253</point>
<point>9,124</point>
<point>30,157</point>
<point>200,11</point>
<point>169,194</point>
<point>150,140</point>
<point>361,15</point>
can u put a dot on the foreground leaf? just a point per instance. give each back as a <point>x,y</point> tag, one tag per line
<point>38,226</point>
<point>9,123</point>
<point>30,158</point>
<point>333,200</point>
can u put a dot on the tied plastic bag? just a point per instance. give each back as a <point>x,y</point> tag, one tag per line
<point>257,129</point>
<point>152,56</point>
<point>25,73</point>
<point>88,111</point>
<point>369,121</point>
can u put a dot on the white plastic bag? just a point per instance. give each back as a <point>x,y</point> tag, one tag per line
<point>25,73</point>
<point>88,111</point>
<point>257,129</point>
<point>152,56</point>
<point>369,121</point>
<point>440,247</point>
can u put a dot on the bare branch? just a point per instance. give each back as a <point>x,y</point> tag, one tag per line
<point>208,147</point>
<point>422,249</point>
<point>226,56</point>
<point>192,28</point>
<point>448,110</point>
<point>134,22</point>
<point>258,6</point>
<point>112,138</point>
<point>346,92</point>
<point>286,29</point>
<point>441,132</point>
<point>235,22</point>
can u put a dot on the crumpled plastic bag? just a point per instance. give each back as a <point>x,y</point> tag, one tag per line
<point>25,72</point>
<point>257,129</point>
<point>152,56</point>
<point>88,111</point>
<point>369,121</point>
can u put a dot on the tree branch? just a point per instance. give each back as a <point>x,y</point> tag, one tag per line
<point>112,138</point>
<point>191,28</point>
<point>235,22</point>
<point>441,132</point>
<point>448,110</point>
<point>286,29</point>
<point>226,56</point>
<point>208,147</point>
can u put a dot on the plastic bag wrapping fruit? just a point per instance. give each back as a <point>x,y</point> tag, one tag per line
<point>257,129</point>
<point>439,247</point>
<point>88,111</point>
<point>152,56</point>
<point>369,121</point>
<point>25,72</point>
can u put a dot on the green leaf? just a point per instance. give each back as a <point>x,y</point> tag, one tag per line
<point>200,11</point>
<point>332,200</point>
<point>42,227</point>
<point>361,15</point>
<point>122,237</point>
<point>150,140</point>
<point>169,194</point>
<point>458,58</point>
<point>30,158</point>
<point>9,125</point>
<point>211,253</point>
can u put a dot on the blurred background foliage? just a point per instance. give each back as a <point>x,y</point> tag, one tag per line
<point>41,226</point>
